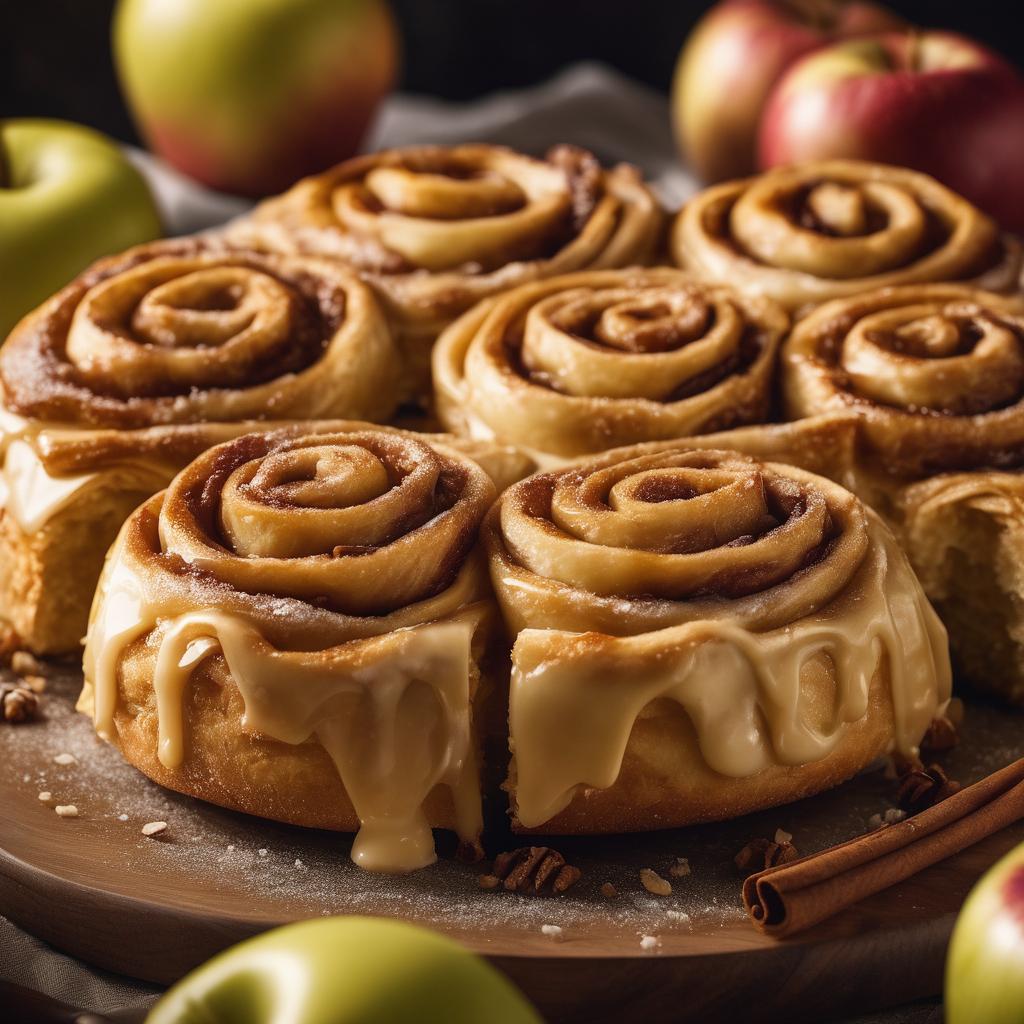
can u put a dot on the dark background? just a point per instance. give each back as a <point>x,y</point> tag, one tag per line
<point>55,54</point>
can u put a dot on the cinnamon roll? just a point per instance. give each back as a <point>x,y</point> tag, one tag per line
<point>135,367</point>
<point>934,377</point>
<point>596,360</point>
<point>697,635</point>
<point>435,229</point>
<point>803,235</point>
<point>295,628</point>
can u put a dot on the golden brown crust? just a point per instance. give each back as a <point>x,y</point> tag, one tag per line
<point>299,604</point>
<point>186,332</point>
<point>436,229</point>
<point>807,234</point>
<point>934,373</point>
<point>117,471</point>
<point>590,361</point>
<point>698,635</point>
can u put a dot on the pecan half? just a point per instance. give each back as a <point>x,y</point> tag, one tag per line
<point>922,787</point>
<point>759,854</point>
<point>535,871</point>
<point>18,703</point>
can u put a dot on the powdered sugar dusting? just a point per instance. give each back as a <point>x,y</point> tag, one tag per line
<point>290,872</point>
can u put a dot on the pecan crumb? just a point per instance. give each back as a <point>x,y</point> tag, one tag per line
<point>922,787</point>
<point>654,883</point>
<point>488,881</point>
<point>535,870</point>
<point>944,732</point>
<point>608,891</point>
<point>18,703</point>
<point>759,854</point>
<point>154,828</point>
<point>681,868</point>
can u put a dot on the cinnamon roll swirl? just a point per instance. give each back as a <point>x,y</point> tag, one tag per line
<point>697,635</point>
<point>139,364</point>
<point>933,375</point>
<point>601,359</point>
<point>294,629</point>
<point>435,229</point>
<point>818,231</point>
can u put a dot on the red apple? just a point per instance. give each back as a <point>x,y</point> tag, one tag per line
<point>934,101</point>
<point>247,96</point>
<point>733,58</point>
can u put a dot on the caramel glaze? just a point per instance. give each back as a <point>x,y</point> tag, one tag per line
<point>722,584</point>
<point>335,577</point>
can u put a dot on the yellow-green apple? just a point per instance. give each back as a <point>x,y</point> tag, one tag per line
<point>934,101</point>
<point>985,964</point>
<point>345,970</point>
<point>733,58</point>
<point>68,195</point>
<point>247,96</point>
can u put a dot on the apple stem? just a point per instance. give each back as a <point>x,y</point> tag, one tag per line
<point>820,14</point>
<point>913,55</point>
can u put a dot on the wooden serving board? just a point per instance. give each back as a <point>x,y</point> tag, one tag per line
<point>95,887</point>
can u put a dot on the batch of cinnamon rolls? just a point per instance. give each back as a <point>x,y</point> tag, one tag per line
<point>692,504</point>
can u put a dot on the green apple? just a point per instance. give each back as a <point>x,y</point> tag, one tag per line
<point>68,195</point>
<point>345,970</point>
<point>247,96</point>
<point>985,966</point>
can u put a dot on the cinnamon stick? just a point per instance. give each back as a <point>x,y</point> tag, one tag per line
<point>791,897</point>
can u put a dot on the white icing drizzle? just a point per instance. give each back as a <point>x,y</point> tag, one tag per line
<point>393,711</point>
<point>29,493</point>
<point>574,702</point>
<point>33,496</point>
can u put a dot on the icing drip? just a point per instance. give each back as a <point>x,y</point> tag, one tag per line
<point>393,712</point>
<point>32,495</point>
<point>575,697</point>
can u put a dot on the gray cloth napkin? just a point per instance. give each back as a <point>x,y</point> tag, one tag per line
<point>589,105</point>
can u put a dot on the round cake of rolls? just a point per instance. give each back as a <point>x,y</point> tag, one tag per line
<point>586,362</point>
<point>933,375</point>
<point>295,628</point>
<point>143,361</point>
<point>435,228</point>
<point>698,635</point>
<point>823,230</point>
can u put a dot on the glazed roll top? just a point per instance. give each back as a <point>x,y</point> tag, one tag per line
<point>818,231</point>
<point>596,360</point>
<point>182,332</point>
<point>935,373</point>
<point>748,593</point>
<point>436,228</point>
<point>334,574</point>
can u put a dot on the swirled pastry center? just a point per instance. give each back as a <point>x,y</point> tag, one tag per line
<point>331,576</point>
